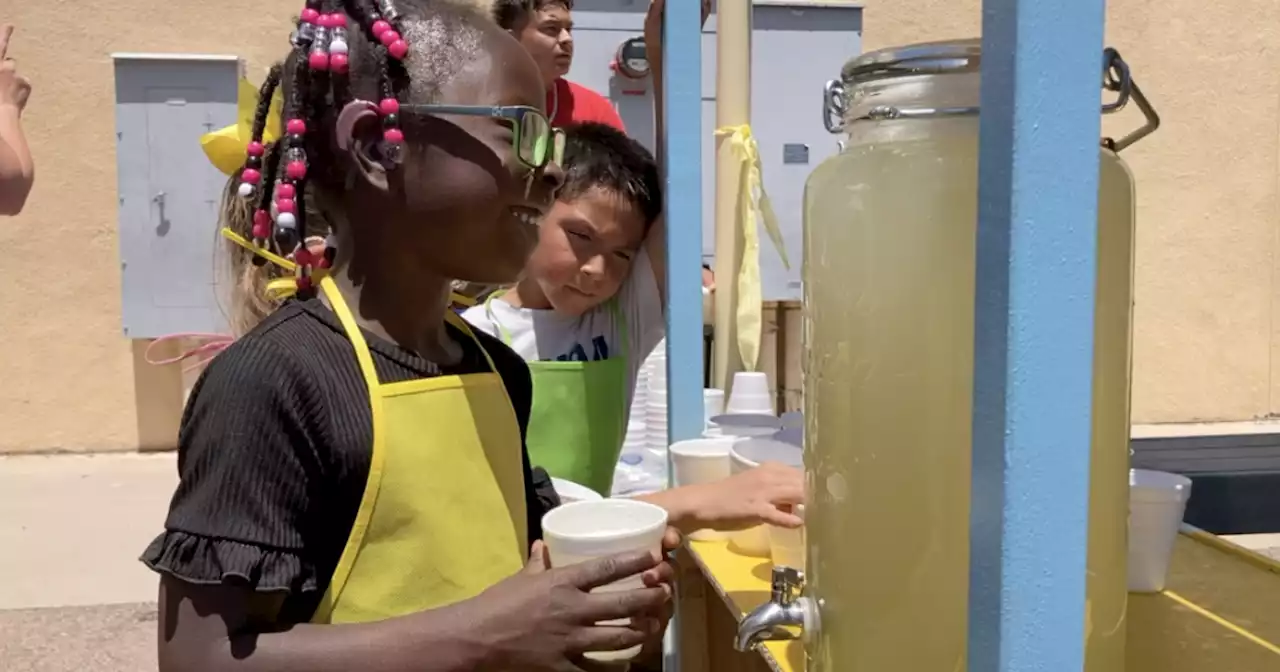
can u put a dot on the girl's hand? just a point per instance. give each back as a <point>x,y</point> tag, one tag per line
<point>544,620</point>
<point>762,495</point>
<point>14,88</point>
<point>658,619</point>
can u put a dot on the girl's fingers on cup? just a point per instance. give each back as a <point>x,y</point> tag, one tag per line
<point>664,573</point>
<point>607,638</point>
<point>596,573</point>
<point>624,603</point>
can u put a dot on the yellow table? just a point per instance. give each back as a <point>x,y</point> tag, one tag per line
<point>1221,612</point>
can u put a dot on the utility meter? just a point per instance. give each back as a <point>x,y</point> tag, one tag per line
<point>632,60</point>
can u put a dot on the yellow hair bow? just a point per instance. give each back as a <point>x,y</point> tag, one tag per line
<point>225,147</point>
<point>753,206</point>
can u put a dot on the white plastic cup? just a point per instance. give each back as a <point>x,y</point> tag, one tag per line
<point>699,461</point>
<point>712,403</point>
<point>1157,502</point>
<point>749,403</point>
<point>589,530</point>
<point>751,452</point>
<point>786,546</point>
<point>750,382</point>
<point>750,393</point>
<point>747,454</point>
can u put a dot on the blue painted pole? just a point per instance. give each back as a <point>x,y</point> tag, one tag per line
<point>682,78</point>
<point>683,151</point>
<point>1037,237</point>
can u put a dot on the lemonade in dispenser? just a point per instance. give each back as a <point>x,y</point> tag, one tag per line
<point>890,232</point>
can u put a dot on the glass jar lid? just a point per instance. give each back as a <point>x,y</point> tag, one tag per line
<point>959,57</point>
<point>950,56</point>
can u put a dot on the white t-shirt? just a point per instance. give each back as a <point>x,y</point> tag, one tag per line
<point>544,335</point>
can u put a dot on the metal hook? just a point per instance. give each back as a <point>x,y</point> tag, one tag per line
<point>1116,77</point>
<point>833,106</point>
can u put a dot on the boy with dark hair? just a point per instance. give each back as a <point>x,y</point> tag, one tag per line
<point>545,28</point>
<point>588,311</point>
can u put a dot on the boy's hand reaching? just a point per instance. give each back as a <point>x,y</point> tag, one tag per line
<point>761,495</point>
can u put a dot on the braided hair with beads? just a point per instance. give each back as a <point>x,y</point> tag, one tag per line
<point>276,181</point>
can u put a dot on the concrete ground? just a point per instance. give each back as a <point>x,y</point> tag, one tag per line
<point>73,597</point>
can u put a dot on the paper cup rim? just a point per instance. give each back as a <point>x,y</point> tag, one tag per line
<point>656,520</point>
<point>1149,485</point>
<point>736,455</point>
<point>724,445</point>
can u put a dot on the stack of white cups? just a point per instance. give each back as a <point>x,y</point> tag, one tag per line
<point>637,438</point>
<point>712,404</point>
<point>655,420</point>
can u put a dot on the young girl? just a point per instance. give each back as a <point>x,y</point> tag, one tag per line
<point>414,131</point>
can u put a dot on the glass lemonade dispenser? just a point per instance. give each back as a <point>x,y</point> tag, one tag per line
<point>889,264</point>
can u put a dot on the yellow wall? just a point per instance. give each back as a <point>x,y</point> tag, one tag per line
<point>1205,346</point>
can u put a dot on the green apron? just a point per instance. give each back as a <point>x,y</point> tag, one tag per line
<point>579,417</point>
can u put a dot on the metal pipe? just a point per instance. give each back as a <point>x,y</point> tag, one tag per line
<point>733,108</point>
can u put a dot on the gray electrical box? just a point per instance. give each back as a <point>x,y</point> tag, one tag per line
<point>169,191</point>
<point>796,48</point>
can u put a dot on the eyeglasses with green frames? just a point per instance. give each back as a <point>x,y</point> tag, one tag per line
<point>535,142</point>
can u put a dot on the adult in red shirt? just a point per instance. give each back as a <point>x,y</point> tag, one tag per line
<point>545,28</point>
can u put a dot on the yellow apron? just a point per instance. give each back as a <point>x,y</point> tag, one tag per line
<point>443,512</point>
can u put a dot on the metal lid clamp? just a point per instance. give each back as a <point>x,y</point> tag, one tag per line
<point>958,57</point>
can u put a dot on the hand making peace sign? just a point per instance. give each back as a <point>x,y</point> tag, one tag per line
<point>14,88</point>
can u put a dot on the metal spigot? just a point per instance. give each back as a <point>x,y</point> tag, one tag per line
<point>785,609</point>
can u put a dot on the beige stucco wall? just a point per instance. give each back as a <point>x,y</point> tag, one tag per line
<point>67,372</point>
<point>1205,345</point>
